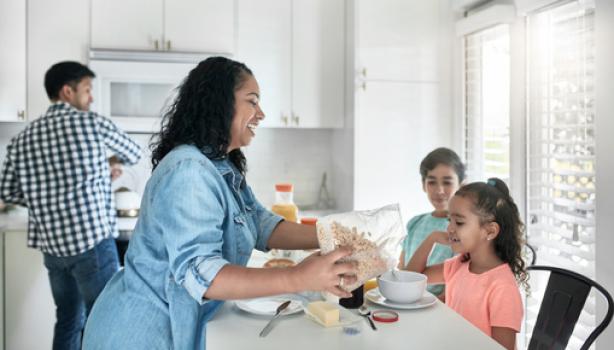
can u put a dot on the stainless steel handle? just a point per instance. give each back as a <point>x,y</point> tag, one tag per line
<point>168,45</point>
<point>364,72</point>
<point>156,44</point>
<point>21,114</point>
<point>296,119</point>
<point>284,119</point>
<point>364,86</point>
<point>269,326</point>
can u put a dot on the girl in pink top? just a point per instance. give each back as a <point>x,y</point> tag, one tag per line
<point>481,282</point>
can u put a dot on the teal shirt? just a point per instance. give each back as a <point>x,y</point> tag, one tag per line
<point>418,228</point>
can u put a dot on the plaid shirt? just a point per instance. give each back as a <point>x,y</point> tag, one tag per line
<point>58,168</point>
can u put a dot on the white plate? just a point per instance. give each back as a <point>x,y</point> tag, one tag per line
<point>268,306</point>
<point>376,297</point>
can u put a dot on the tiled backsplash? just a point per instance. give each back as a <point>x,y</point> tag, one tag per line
<point>298,156</point>
<point>275,155</point>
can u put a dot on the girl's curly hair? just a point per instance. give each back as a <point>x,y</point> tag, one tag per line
<point>202,112</point>
<point>493,203</point>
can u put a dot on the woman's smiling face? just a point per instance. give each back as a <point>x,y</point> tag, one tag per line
<point>247,114</point>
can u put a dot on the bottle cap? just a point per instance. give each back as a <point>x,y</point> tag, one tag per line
<point>309,221</point>
<point>385,316</point>
<point>283,187</point>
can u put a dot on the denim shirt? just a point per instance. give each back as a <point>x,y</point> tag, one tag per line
<point>197,215</point>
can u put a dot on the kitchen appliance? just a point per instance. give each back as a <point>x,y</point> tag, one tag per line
<point>134,88</point>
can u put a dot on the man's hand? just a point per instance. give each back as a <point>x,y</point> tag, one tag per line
<point>116,168</point>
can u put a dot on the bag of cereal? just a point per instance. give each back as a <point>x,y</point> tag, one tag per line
<point>374,236</point>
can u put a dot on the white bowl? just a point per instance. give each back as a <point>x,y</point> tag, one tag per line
<point>402,287</point>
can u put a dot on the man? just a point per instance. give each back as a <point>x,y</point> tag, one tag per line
<point>58,168</point>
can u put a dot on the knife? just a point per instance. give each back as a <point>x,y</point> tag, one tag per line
<point>269,325</point>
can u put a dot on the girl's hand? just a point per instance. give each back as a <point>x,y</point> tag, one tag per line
<point>324,273</point>
<point>440,237</point>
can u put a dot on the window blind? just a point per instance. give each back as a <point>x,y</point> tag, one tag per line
<point>561,148</point>
<point>487,91</point>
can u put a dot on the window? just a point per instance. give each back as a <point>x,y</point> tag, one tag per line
<point>561,146</point>
<point>487,92</point>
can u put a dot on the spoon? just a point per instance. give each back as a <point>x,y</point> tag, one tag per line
<point>269,325</point>
<point>364,311</point>
<point>395,275</point>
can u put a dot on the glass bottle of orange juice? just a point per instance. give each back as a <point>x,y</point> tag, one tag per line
<point>284,202</point>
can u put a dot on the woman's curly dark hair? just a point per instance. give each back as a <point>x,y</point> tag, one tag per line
<point>493,203</point>
<point>202,112</point>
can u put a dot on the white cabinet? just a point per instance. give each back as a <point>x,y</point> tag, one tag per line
<point>398,114</point>
<point>296,51</point>
<point>127,24</point>
<point>199,25</point>
<point>13,60</point>
<point>29,310</point>
<point>163,25</point>
<point>397,40</point>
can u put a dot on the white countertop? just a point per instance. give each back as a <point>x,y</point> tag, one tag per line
<point>14,220</point>
<point>435,327</point>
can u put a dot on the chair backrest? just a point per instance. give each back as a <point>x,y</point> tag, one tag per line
<point>560,309</point>
<point>532,253</point>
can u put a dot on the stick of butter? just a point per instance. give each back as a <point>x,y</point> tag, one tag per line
<point>325,313</point>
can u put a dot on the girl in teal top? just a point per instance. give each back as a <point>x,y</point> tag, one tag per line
<point>442,173</point>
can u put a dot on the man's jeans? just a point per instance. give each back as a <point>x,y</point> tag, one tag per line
<point>76,282</point>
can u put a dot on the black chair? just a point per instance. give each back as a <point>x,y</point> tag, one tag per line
<point>560,309</point>
<point>533,253</point>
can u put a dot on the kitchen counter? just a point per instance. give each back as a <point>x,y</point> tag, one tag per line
<point>14,220</point>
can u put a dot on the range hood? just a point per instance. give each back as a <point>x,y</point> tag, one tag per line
<point>151,56</point>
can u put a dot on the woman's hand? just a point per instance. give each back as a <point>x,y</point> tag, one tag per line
<point>440,237</point>
<point>324,273</point>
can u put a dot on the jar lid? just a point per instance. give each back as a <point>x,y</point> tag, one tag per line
<point>386,316</point>
<point>283,187</point>
<point>309,221</point>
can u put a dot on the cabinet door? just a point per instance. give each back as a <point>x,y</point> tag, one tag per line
<point>12,60</point>
<point>264,32</point>
<point>127,24</point>
<point>394,129</point>
<point>29,309</point>
<point>318,37</point>
<point>199,26</point>
<point>397,40</point>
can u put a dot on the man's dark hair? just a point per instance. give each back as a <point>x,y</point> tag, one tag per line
<point>62,73</point>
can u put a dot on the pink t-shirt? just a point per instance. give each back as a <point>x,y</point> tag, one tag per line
<point>489,299</point>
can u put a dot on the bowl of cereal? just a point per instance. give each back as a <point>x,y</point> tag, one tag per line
<point>402,287</point>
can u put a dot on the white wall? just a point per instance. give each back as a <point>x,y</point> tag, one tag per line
<point>604,126</point>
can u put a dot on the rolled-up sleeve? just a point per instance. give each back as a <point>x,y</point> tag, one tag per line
<point>128,151</point>
<point>190,211</point>
<point>266,222</point>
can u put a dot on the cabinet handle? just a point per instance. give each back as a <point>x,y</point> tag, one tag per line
<point>364,86</point>
<point>168,45</point>
<point>364,72</point>
<point>21,114</point>
<point>284,119</point>
<point>156,44</point>
<point>295,119</point>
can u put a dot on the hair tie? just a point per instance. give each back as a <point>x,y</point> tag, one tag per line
<point>491,182</point>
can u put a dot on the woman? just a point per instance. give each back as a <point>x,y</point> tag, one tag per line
<point>198,225</point>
